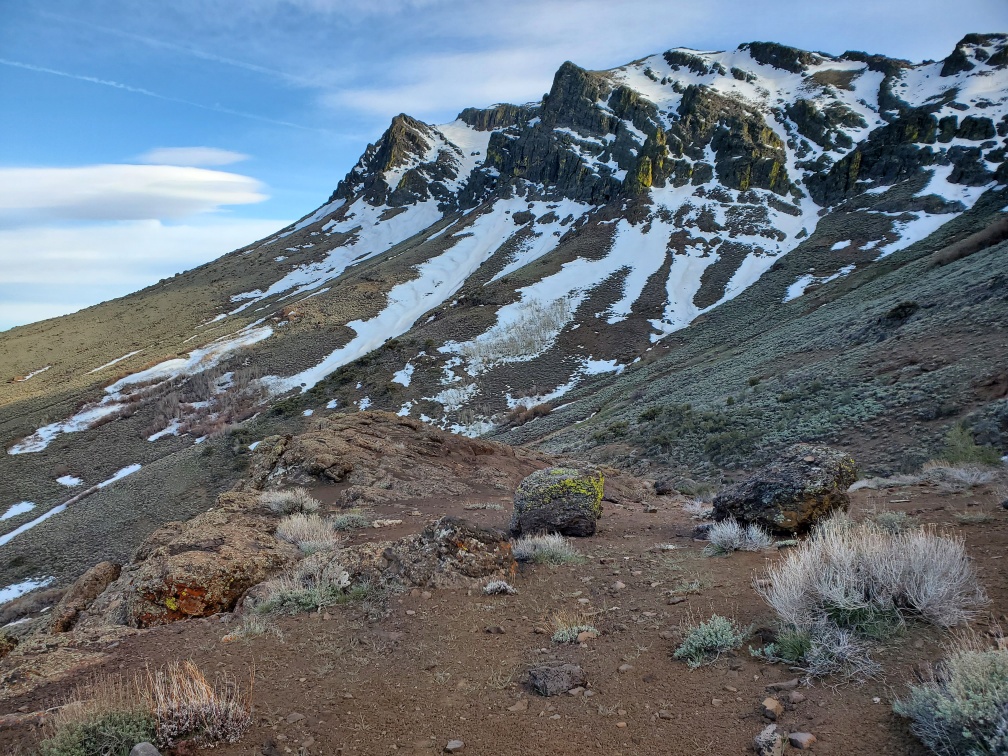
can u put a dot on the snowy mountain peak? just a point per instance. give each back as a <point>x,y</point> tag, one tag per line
<point>503,258</point>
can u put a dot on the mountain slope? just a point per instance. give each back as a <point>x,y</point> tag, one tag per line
<point>467,273</point>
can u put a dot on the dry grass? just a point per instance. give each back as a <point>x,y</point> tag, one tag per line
<point>290,501</point>
<point>308,532</point>
<point>108,714</point>
<point>978,516</point>
<point>104,715</point>
<point>698,509</point>
<point>545,549</point>
<point>187,706</point>
<point>956,478</point>
<point>567,626</point>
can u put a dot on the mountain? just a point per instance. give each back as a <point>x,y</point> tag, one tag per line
<point>676,266</point>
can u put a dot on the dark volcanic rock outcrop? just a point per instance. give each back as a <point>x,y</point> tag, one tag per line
<point>794,492</point>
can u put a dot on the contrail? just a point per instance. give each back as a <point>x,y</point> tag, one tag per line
<point>155,95</point>
<point>195,52</point>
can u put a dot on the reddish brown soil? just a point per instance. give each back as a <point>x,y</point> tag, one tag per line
<point>429,671</point>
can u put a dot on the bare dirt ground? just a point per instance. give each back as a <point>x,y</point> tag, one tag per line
<point>432,666</point>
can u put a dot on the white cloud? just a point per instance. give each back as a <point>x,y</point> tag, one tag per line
<point>119,192</point>
<point>191,156</point>
<point>50,271</point>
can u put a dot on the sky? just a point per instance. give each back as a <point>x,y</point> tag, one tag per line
<point>141,139</point>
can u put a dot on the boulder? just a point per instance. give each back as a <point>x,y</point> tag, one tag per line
<point>554,679</point>
<point>144,749</point>
<point>81,595</point>
<point>806,484</point>
<point>563,500</point>
<point>196,568</point>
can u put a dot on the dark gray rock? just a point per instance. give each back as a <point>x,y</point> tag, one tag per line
<point>144,749</point>
<point>806,484</point>
<point>563,500</point>
<point>554,679</point>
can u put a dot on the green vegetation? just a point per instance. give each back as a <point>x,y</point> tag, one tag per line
<point>705,642</point>
<point>962,708</point>
<point>961,449</point>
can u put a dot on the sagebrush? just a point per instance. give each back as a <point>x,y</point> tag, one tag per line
<point>961,707</point>
<point>705,642</point>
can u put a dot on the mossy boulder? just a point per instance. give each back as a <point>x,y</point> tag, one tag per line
<point>804,485</point>
<point>565,500</point>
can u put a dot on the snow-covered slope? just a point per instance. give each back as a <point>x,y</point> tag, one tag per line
<point>498,260</point>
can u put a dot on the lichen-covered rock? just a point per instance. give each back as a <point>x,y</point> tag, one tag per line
<point>790,495</point>
<point>554,679</point>
<point>563,500</point>
<point>446,552</point>
<point>81,594</point>
<point>196,568</point>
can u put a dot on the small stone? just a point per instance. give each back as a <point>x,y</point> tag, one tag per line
<point>772,708</point>
<point>295,717</point>
<point>555,716</point>
<point>454,746</point>
<point>521,705</point>
<point>144,749</point>
<point>587,635</point>
<point>540,630</point>
<point>663,714</point>
<point>666,635</point>
<point>730,689</point>
<point>576,691</point>
<point>795,697</point>
<point>676,600</point>
<point>803,741</point>
<point>495,630</point>
<point>621,725</point>
<point>769,742</point>
<point>584,601</point>
<point>716,702</point>
<point>426,595</point>
<point>624,668</point>
<point>410,612</point>
<point>619,585</point>
<point>786,685</point>
<point>348,695</point>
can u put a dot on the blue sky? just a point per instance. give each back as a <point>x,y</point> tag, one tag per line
<point>139,139</point>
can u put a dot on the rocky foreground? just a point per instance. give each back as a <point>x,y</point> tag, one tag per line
<point>453,644</point>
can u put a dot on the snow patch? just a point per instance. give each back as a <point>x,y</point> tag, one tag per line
<point>16,509</point>
<point>11,592</point>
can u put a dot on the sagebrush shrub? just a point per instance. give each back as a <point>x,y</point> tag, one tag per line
<point>705,642</point>
<point>728,535</point>
<point>350,520</point>
<point>545,549</point>
<point>314,583</point>
<point>857,570</point>
<point>499,588</point>
<point>962,707</point>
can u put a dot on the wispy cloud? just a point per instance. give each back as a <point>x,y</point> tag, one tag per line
<point>148,93</point>
<point>191,156</point>
<point>119,192</point>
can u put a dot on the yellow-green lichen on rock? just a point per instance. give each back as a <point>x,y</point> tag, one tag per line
<point>565,500</point>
